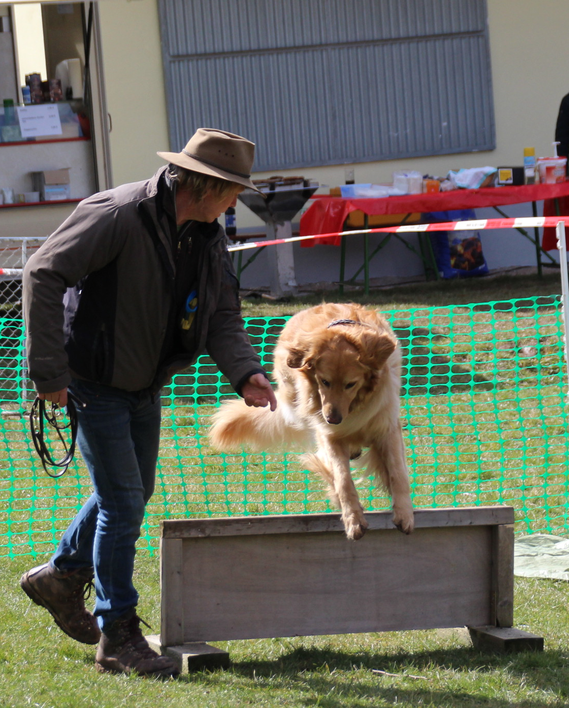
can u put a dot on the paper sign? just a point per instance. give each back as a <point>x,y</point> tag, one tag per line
<point>39,121</point>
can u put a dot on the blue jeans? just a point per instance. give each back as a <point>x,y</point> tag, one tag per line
<point>118,436</point>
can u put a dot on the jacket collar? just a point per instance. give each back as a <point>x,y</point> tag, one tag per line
<point>158,204</point>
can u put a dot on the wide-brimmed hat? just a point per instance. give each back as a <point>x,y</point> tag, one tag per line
<point>218,154</point>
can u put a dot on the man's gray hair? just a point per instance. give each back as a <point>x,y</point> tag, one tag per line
<point>199,185</point>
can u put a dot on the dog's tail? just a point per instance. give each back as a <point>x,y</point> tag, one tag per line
<point>236,425</point>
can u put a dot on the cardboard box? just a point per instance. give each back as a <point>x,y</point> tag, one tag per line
<point>356,220</point>
<point>510,175</point>
<point>53,185</point>
<point>70,130</point>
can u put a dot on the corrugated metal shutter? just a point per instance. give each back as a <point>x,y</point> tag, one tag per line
<point>318,82</point>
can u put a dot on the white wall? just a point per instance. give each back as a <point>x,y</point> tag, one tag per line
<point>134,83</point>
<point>529,52</point>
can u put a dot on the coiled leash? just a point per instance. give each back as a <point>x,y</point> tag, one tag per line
<point>40,416</point>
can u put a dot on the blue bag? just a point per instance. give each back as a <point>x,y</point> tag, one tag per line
<point>458,254</point>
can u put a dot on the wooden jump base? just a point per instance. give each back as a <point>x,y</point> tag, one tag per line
<point>284,576</point>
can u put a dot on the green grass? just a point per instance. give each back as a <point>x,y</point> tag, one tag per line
<point>422,294</point>
<point>40,666</point>
<point>468,437</point>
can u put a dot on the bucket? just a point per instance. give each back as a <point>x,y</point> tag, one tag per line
<point>551,169</point>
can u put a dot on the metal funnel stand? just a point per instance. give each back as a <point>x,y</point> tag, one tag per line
<point>284,199</point>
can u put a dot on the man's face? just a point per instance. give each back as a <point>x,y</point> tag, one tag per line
<point>213,206</point>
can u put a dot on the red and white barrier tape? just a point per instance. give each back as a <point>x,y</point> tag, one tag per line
<point>11,271</point>
<point>558,222</point>
<point>473,225</point>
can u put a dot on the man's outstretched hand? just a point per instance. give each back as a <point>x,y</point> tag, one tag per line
<point>257,391</point>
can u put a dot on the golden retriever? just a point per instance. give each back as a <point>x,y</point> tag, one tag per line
<point>338,374</point>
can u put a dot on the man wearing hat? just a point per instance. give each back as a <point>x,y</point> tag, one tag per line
<point>129,290</point>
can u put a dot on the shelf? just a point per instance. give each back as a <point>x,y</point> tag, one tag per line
<point>42,142</point>
<point>35,204</point>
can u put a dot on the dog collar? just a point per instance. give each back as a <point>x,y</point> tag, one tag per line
<point>348,322</point>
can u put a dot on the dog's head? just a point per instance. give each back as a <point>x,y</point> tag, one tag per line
<point>342,365</point>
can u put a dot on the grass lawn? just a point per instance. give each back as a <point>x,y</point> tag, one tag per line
<point>491,288</point>
<point>40,666</point>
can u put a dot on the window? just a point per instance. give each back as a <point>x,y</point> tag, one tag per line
<point>55,43</point>
<point>318,82</point>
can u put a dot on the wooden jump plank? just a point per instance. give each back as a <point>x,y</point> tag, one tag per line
<point>192,657</point>
<point>503,575</point>
<point>278,576</point>
<point>171,590</point>
<point>323,523</point>
<point>303,584</point>
<point>504,640</point>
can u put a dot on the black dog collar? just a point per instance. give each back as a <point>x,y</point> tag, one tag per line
<point>348,322</point>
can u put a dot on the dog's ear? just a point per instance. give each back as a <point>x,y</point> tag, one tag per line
<point>298,358</point>
<point>386,344</point>
<point>375,348</point>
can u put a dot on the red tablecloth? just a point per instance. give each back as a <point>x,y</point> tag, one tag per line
<point>327,214</point>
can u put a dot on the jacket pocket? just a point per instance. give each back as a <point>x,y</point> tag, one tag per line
<point>229,295</point>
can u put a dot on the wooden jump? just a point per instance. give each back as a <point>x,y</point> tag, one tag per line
<point>283,576</point>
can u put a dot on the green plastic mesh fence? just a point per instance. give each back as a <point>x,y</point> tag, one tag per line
<point>485,422</point>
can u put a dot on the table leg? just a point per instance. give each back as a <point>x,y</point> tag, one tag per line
<point>366,260</point>
<point>252,258</point>
<point>342,263</point>
<point>428,256</point>
<point>536,240</point>
<point>239,264</point>
<point>425,253</point>
<point>366,256</point>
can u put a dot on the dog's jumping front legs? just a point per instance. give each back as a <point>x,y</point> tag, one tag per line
<point>336,458</point>
<point>388,458</point>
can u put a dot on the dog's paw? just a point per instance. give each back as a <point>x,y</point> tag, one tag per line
<point>404,521</point>
<point>355,526</point>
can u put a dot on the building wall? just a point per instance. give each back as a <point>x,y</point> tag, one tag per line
<point>134,83</point>
<point>528,46</point>
<point>528,50</point>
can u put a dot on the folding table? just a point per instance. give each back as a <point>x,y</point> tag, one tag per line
<point>329,214</point>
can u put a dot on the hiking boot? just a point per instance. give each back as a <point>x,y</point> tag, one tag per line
<point>123,649</point>
<point>63,595</point>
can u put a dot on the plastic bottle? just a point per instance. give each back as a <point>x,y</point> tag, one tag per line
<point>26,95</point>
<point>529,165</point>
<point>9,112</point>
<point>230,223</point>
